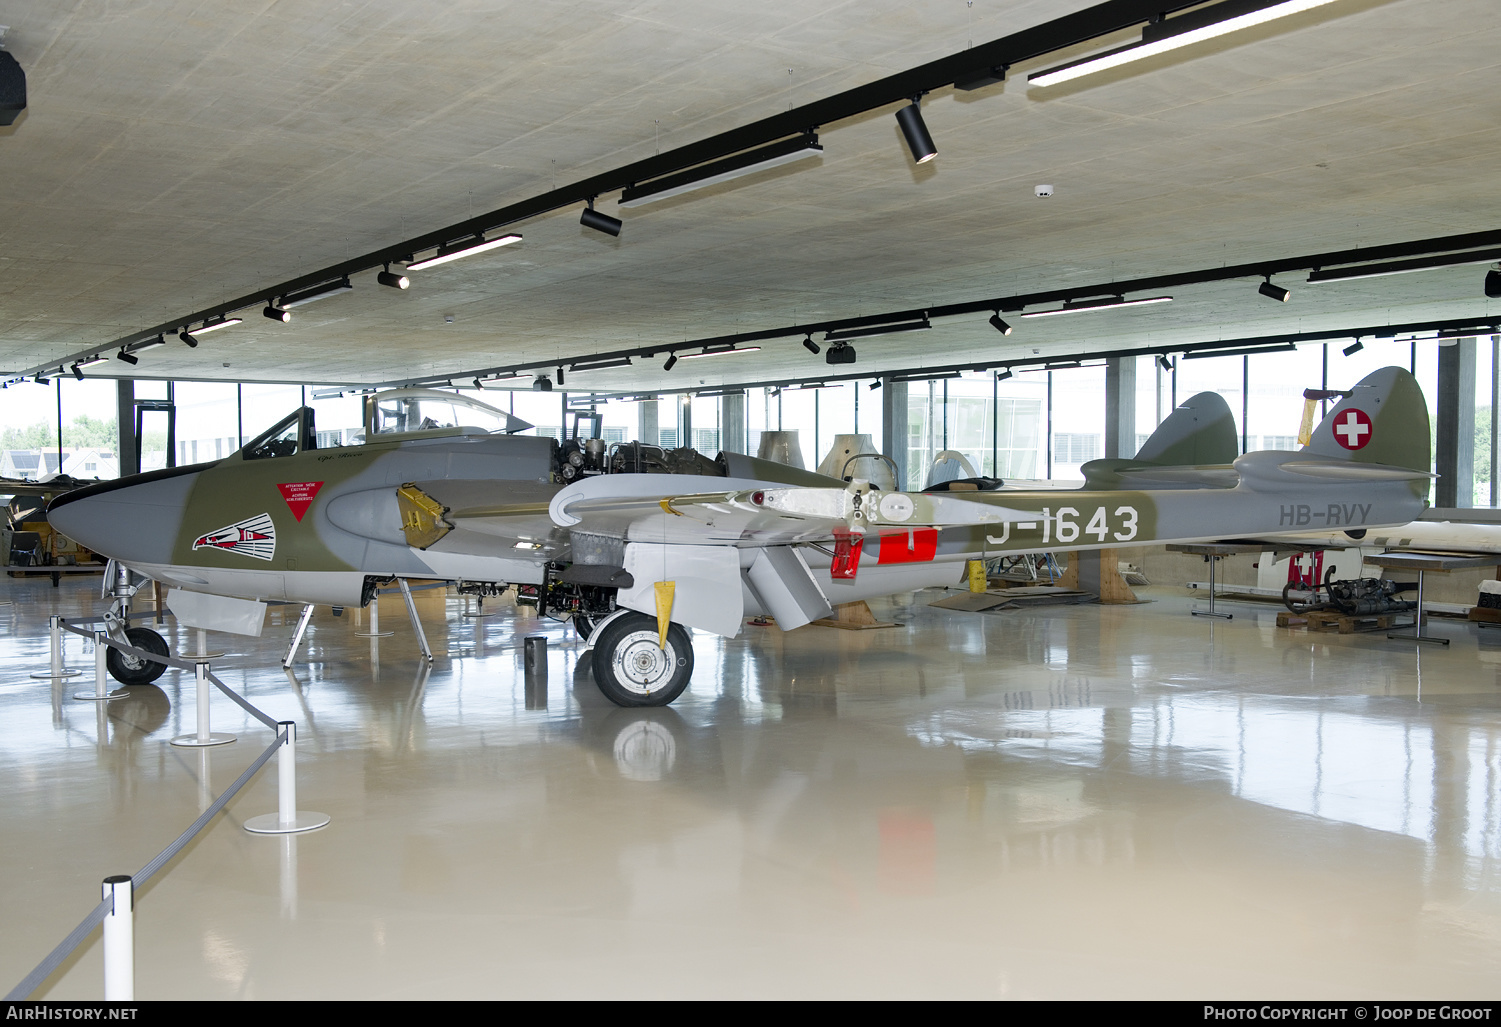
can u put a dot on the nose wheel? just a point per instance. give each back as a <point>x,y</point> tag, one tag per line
<point>631,668</point>
<point>129,669</point>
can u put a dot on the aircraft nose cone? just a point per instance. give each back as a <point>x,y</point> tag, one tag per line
<point>134,520</point>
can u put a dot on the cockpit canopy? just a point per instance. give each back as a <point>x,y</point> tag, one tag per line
<point>415,410</point>
<point>389,416</point>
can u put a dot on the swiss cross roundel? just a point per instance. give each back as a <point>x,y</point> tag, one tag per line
<point>1352,428</point>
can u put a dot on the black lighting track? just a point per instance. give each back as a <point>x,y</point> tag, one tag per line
<point>969,69</point>
<point>1068,361</point>
<point>1205,276</point>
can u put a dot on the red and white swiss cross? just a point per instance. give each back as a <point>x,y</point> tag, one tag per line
<point>1352,428</point>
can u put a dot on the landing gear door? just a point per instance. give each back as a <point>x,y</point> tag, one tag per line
<point>706,579</point>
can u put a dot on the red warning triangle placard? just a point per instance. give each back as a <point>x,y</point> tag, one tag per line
<point>299,495</point>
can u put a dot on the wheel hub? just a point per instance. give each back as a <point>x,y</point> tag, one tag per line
<point>642,665</point>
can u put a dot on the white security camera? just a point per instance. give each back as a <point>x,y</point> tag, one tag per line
<point>1043,191</point>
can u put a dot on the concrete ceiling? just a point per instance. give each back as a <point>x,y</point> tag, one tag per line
<point>177,153</point>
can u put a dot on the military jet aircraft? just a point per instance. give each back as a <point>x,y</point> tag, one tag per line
<point>639,544</point>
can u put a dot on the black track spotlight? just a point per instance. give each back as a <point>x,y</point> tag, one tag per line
<point>916,132</point>
<point>560,375</point>
<point>1003,374</point>
<point>875,385</point>
<point>840,353</point>
<point>998,324</point>
<point>1354,348</point>
<point>187,338</point>
<point>277,314</point>
<point>77,372</point>
<point>1164,363</point>
<point>1273,292</point>
<point>542,384</point>
<point>1493,282</point>
<point>591,218</point>
<point>129,358</point>
<point>672,359</point>
<point>811,346</point>
<point>395,281</point>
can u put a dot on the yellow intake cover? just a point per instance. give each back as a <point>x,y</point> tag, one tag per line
<point>421,517</point>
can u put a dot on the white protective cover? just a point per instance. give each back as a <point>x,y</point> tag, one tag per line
<point>217,613</point>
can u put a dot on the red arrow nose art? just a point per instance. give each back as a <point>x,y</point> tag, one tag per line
<point>255,536</point>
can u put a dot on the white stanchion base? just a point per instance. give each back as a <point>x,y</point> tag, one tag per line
<point>118,693</point>
<point>378,634</point>
<point>271,823</point>
<point>49,676</point>
<point>193,741</point>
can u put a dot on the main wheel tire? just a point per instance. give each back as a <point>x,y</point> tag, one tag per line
<point>132,670</point>
<point>583,624</point>
<point>631,669</point>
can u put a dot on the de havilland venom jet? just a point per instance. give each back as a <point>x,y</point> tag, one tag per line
<point>639,544</point>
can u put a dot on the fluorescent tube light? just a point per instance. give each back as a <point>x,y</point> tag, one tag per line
<point>726,351</point>
<point>1106,304</point>
<point>600,366</point>
<point>141,347</point>
<point>313,295</point>
<point>91,361</point>
<point>211,326</point>
<point>1247,351</point>
<point>736,166</point>
<point>920,377</point>
<point>464,249</point>
<point>1402,267</point>
<point>1173,33</point>
<point>888,329</point>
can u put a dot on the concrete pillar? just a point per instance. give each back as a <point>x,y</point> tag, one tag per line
<point>647,432</point>
<point>732,436</point>
<point>1455,432</point>
<point>125,411</point>
<point>685,420</point>
<point>1120,407</point>
<point>894,427</point>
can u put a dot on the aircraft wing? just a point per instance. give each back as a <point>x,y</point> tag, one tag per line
<point>746,513</point>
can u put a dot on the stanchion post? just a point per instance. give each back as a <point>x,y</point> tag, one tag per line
<point>55,669</point>
<point>119,940</point>
<point>375,631</point>
<point>287,819</point>
<point>101,692</point>
<point>203,736</point>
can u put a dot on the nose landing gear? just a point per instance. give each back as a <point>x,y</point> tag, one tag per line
<point>125,667</point>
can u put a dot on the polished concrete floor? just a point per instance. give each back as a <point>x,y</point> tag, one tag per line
<point>1078,802</point>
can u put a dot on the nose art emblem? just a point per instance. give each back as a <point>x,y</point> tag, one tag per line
<point>255,536</point>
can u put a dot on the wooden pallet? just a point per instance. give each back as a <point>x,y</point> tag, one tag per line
<point>1333,621</point>
<point>1287,619</point>
<point>1485,615</point>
